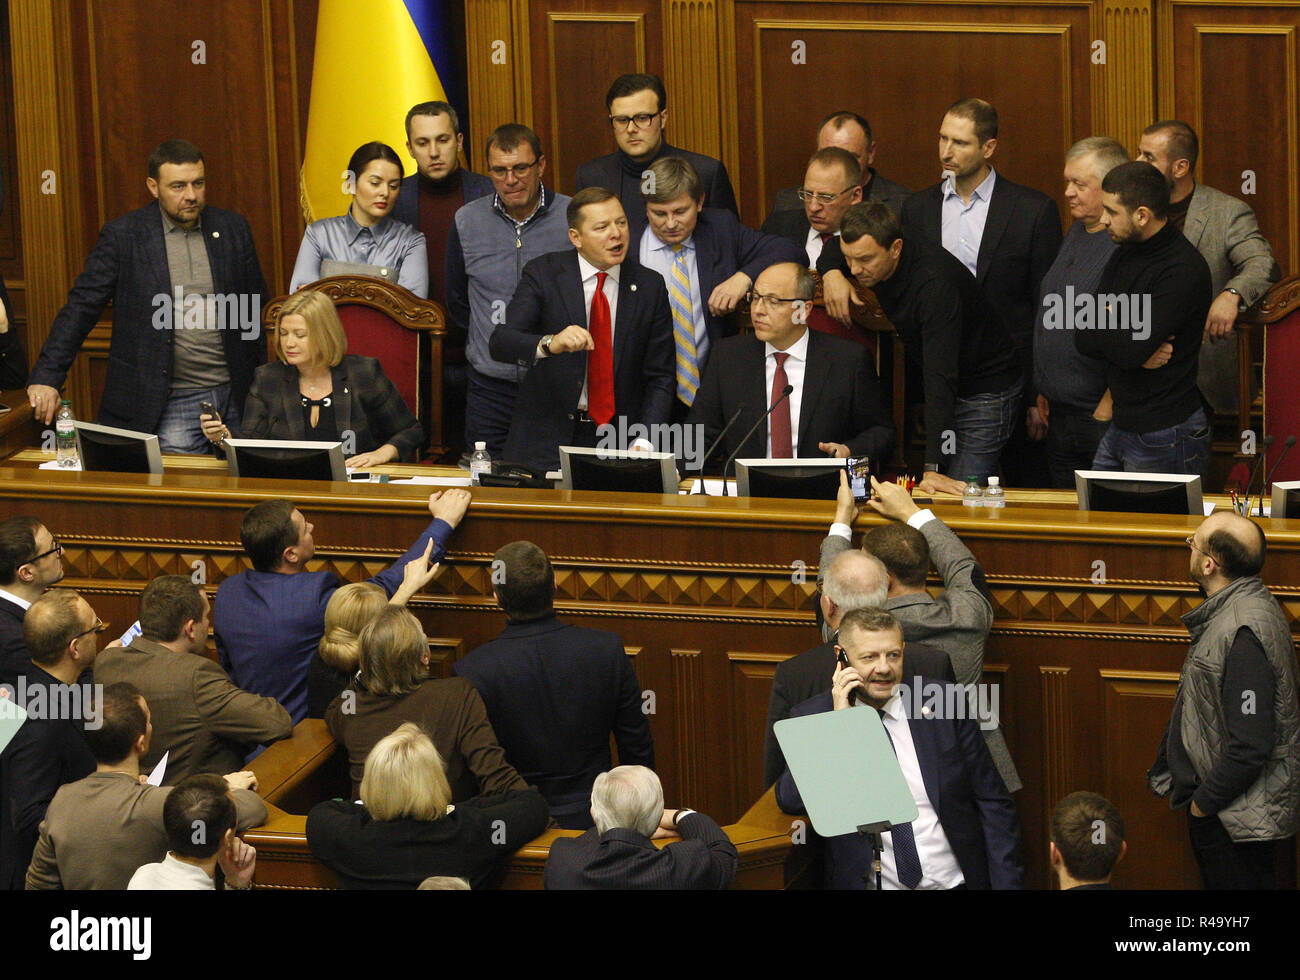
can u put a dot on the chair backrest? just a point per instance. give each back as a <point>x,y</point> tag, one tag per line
<point>403,332</point>
<point>1279,313</point>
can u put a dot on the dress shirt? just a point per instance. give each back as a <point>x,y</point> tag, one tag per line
<point>794,372</point>
<point>660,256</point>
<point>170,874</point>
<point>963,224</point>
<point>814,245</point>
<point>918,520</point>
<point>939,867</point>
<point>390,243</point>
<point>23,603</point>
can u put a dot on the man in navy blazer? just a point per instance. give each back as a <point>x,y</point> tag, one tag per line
<point>555,692</point>
<point>165,356</point>
<point>546,332</point>
<point>967,833</point>
<point>31,562</point>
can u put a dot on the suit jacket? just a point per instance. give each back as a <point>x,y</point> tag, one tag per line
<point>621,858</point>
<point>840,401</point>
<point>973,806</point>
<point>791,225</point>
<point>99,830</point>
<point>548,298</point>
<point>128,265</point>
<point>14,659</point>
<point>1022,235</point>
<point>723,247</point>
<point>554,692</point>
<point>800,678</point>
<point>365,403</point>
<point>958,622</point>
<point>202,720</point>
<point>617,173</point>
<point>1225,232</point>
<point>407,209</point>
<point>880,189</point>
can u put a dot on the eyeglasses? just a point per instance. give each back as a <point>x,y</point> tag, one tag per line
<point>57,549</point>
<point>1191,543</point>
<point>520,170</point>
<point>778,301</point>
<point>641,120</point>
<point>99,627</point>
<point>807,195</point>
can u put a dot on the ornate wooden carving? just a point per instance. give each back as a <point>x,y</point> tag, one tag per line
<point>394,301</point>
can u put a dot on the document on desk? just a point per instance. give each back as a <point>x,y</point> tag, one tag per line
<point>432,481</point>
<point>710,488</point>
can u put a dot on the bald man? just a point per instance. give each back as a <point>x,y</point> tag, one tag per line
<point>1231,752</point>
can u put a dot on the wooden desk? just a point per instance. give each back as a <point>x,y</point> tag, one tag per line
<point>18,429</point>
<point>710,594</point>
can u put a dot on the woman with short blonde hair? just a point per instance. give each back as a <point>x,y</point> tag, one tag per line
<point>404,777</point>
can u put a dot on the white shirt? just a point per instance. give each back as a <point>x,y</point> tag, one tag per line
<point>794,372</point>
<point>962,223</point>
<point>814,245</point>
<point>917,520</point>
<point>170,874</point>
<point>660,256</point>
<point>4,594</point>
<point>939,867</point>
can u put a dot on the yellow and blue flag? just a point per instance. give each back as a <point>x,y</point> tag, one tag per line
<point>374,60</point>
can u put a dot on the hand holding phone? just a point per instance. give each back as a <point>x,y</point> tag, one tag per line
<point>859,477</point>
<point>846,685</point>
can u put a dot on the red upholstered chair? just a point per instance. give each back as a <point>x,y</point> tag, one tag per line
<point>1279,314</point>
<point>405,333</point>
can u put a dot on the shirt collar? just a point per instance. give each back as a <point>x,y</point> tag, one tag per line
<point>170,225</point>
<point>586,270</point>
<point>798,350</point>
<point>5,594</point>
<point>984,191</point>
<point>355,230</point>
<point>894,707</point>
<point>543,202</point>
<point>658,244</point>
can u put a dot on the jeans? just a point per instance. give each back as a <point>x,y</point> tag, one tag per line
<point>1072,440</point>
<point>983,424</point>
<point>178,429</point>
<point>1183,448</point>
<point>1228,864</point>
<point>489,408</point>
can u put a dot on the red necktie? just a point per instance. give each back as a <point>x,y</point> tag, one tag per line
<point>600,362</point>
<point>825,237</point>
<point>781,444</point>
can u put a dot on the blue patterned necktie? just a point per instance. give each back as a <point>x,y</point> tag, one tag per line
<point>907,862</point>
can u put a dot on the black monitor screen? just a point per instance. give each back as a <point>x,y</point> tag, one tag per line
<point>113,454</point>
<point>795,482</point>
<point>285,464</point>
<point>1137,497</point>
<point>1290,505</point>
<point>625,475</point>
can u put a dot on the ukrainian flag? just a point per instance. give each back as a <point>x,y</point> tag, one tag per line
<point>374,60</point>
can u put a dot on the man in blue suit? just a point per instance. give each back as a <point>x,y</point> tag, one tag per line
<point>555,692</point>
<point>595,337</point>
<point>187,294</point>
<point>708,260</point>
<point>967,834</point>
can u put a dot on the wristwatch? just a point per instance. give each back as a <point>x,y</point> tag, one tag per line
<point>546,343</point>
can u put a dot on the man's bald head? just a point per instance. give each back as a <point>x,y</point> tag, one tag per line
<point>1236,543</point>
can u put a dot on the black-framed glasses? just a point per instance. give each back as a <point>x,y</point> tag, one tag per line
<point>520,170</point>
<point>57,549</point>
<point>756,298</point>
<point>99,627</point>
<point>807,195</point>
<point>641,120</point>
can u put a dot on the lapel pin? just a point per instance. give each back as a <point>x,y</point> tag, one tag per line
<point>216,234</point>
<point>633,287</point>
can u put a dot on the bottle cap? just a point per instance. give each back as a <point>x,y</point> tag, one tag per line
<point>480,446</point>
<point>66,401</point>
<point>993,481</point>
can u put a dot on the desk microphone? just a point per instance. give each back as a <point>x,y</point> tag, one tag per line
<point>704,487</point>
<point>786,393</point>
<point>1260,452</point>
<point>1286,447</point>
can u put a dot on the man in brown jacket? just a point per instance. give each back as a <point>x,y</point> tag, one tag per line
<point>200,718</point>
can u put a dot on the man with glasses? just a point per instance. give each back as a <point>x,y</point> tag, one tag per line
<point>492,239</point>
<point>1231,752</point>
<point>62,636</point>
<point>638,115</point>
<point>852,132</point>
<point>31,561</point>
<point>833,408</point>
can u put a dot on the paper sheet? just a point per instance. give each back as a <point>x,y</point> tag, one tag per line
<point>159,771</point>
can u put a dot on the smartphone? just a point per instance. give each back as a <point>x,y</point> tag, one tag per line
<point>843,659</point>
<point>859,477</point>
<point>127,637</point>
<point>206,408</point>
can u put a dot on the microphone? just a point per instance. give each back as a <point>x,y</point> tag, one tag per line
<point>1260,453</point>
<point>786,393</point>
<point>717,442</point>
<point>1286,448</point>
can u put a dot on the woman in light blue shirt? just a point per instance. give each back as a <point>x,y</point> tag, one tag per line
<point>366,233</point>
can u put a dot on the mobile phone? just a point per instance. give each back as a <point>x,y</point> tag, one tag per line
<point>206,408</point>
<point>859,477</point>
<point>127,637</point>
<point>843,659</point>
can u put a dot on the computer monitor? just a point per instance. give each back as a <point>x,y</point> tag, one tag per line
<point>1139,493</point>
<point>1286,500</point>
<point>275,459</point>
<point>612,469</point>
<point>795,479</point>
<point>103,448</point>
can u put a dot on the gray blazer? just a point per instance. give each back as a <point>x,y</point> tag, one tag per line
<point>1225,232</point>
<point>957,622</point>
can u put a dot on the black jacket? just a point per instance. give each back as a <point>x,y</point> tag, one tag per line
<point>620,174</point>
<point>621,858</point>
<point>14,659</point>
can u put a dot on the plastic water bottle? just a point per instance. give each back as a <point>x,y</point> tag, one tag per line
<point>972,496</point>
<point>994,495</point>
<point>65,436</point>
<point>479,463</point>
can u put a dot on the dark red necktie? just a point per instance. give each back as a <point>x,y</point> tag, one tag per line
<point>781,444</point>
<point>825,237</point>
<point>600,362</point>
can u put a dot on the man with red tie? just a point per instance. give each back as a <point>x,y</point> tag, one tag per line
<point>596,339</point>
<point>833,408</point>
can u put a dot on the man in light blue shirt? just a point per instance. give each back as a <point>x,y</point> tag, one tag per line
<point>964,215</point>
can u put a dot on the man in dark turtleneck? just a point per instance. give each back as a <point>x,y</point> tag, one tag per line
<point>637,107</point>
<point>431,196</point>
<point>1154,288</point>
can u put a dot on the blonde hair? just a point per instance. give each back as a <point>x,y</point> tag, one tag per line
<point>392,645</point>
<point>350,608</point>
<point>404,777</point>
<point>324,328</point>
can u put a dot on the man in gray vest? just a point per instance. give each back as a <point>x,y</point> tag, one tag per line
<point>1232,748</point>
